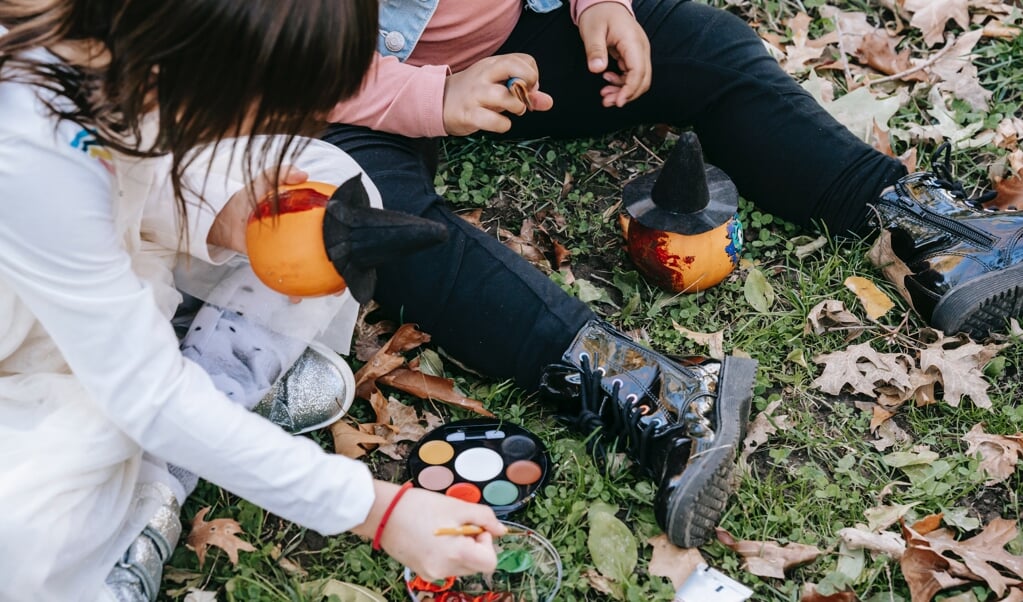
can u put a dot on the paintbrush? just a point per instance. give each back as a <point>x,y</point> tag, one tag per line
<point>476,530</point>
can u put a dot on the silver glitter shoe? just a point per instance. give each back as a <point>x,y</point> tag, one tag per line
<point>136,576</point>
<point>315,392</point>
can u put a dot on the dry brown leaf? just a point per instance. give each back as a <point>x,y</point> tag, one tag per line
<point>875,302</point>
<point>830,316</point>
<point>885,259</point>
<point>671,561</point>
<point>810,594</point>
<point>999,453</point>
<point>890,434</point>
<point>367,336</point>
<point>880,518</point>
<point>877,50</point>
<point>800,51</point>
<point>983,553</point>
<point>927,524</point>
<point>767,558</point>
<point>958,74</point>
<point>879,416</point>
<point>220,533</point>
<point>1010,194</point>
<point>927,573</point>
<point>600,583</point>
<point>1000,31</point>
<point>863,369</point>
<point>426,386</point>
<point>762,427</point>
<point>599,161</point>
<point>960,363</point>
<point>886,542</point>
<point>474,217</point>
<point>715,341</point>
<point>931,16</point>
<point>352,442</point>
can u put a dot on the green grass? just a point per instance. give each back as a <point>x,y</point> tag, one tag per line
<point>804,485</point>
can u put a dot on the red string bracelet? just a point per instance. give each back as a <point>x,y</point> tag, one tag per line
<point>387,515</point>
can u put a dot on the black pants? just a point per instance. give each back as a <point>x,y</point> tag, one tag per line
<point>492,310</point>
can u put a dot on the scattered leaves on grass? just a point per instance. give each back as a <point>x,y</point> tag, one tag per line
<point>671,561</point>
<point>767,558</point>
<point>762,427</point>
<point>810,594</point>
<point>831,316</point>
<point>341,591</point>
<point>387,366</point>
<point>885,542</point>
<point>353,441</point>
<point>875,302</point>
<point>220,533</point>
<point>956,363</point>
<point>715,341</point>
<point>937,561</point>
<point>931,16</point>
<point>999,453</point>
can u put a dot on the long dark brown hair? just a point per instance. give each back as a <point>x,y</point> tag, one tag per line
<point>215,68</point>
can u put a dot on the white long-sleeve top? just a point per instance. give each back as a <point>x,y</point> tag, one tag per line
<point>91,376</point>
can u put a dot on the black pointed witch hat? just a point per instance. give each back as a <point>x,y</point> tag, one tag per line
<point>359,238</point>
<point>686,196</point>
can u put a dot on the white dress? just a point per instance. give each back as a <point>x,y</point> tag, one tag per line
<point>94,395</point>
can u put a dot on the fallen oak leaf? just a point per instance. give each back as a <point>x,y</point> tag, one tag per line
<point>831,315</point>
<point>426,386</point>
<point>351,442</point>
<point>999,453</point>
<point>762,427</point>
<point>810,594</point>
<point>886,542</point>
<point>960,363</point>
<point>221,533</point>
<point>982,552</point>
<point>671,561</point>
<point>767,558</point>
<point>715,341</point>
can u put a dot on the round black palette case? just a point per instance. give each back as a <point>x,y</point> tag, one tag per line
<point>483,460</point>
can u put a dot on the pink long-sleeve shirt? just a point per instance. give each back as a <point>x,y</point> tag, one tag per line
<point>408,98</point>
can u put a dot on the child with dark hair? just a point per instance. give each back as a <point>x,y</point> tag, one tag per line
<point>593,67</point>
<point>105,105</point>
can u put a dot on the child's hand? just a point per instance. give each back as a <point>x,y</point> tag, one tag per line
<point>477,98</point>
<point>607,28</point>
<point>409,534</point>
<point>228,229</point>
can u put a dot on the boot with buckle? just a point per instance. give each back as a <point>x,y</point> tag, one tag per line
<point>960,263</point>
<point>681,424</point>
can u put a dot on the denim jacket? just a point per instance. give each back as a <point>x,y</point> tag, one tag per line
<point>402,23</point>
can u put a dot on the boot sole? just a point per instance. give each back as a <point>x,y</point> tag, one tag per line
<point>982,305</point>
<point>696,505</point>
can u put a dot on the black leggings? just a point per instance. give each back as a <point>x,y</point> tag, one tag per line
<point>487,306</point>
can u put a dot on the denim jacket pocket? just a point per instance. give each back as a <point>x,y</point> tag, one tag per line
<point>543,6</point>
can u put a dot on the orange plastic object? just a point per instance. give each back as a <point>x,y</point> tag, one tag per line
<point>286,247</point>
<point>685,263</point>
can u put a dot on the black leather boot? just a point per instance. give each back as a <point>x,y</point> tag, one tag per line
<point>681,424</point>
<point>963,264</point>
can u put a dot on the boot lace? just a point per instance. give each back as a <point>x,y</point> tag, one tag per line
<point>942,169</point>
<point>603,414</point>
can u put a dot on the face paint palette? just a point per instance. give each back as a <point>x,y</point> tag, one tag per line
<point>481,460</point>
